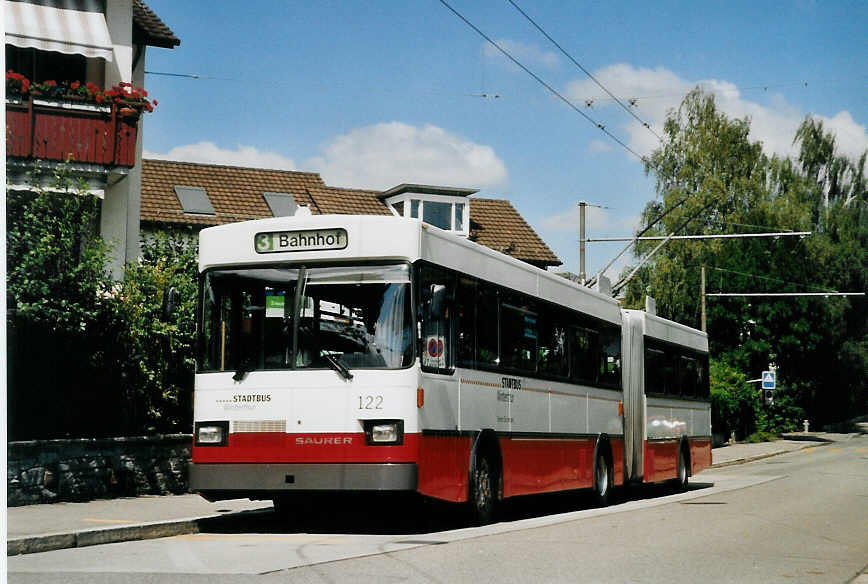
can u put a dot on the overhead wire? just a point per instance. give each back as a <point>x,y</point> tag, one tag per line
<point>539,80</point>
<point>585,71</point>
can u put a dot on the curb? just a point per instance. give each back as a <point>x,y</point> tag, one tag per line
<point>88,537</point>
<point>735,461</point>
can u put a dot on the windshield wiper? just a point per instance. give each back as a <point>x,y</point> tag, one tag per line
<point>338,366</point>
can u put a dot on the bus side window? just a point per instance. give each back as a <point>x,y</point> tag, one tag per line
<point>487,327</point>
<point>465,322</point>
<point>583,347</point>
<point>610,357</point>
<point>553,344</point>
<point>654,360</point>
<point>518,334</point>
<point>687,375</point>
<point>437,293</point>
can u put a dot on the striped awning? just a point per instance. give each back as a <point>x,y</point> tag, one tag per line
<point>57,25</point>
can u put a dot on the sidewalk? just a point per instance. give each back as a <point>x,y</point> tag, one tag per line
<point>39,528</point>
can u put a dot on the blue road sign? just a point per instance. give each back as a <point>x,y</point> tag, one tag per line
<point>768,379</point>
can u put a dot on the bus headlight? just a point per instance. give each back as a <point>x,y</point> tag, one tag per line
<point>384,432</point>
<point>212,433</point>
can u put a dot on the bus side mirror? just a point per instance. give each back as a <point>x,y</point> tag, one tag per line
<point>171,300</point>
<point>437,304</point>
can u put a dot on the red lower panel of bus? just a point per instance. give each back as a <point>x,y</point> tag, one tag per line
<point>280,447</point>
<point>541,465</point>
<point>444,464</point>
<point>700,454</point>
<point>661,460</point>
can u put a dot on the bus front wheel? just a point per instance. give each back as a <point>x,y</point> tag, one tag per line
<point>482,494</point>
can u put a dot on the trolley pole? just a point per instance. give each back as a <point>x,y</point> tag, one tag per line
<point>582,206</point>
<point>702,295</point>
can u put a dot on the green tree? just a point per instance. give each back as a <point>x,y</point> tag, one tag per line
<point>58,292</point>
<point>716,180</point>
<point>157,353</point>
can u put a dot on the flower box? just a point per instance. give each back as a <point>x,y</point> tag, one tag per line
<point>68,130</point>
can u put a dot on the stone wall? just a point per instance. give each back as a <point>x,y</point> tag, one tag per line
<point>48,471</point>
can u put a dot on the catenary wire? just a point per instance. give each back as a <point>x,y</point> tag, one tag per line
<point>585,71</point>
<point>539,80</point>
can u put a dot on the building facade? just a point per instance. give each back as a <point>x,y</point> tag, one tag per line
<point>75,69</point>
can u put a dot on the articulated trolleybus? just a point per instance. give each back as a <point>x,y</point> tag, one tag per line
<point>342,353</point>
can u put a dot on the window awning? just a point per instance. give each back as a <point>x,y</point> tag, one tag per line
<point>48,27</point>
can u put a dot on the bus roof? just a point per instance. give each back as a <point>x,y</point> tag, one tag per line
<point>373,238</point>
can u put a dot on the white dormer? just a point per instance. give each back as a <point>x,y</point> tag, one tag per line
<point>444,207</point>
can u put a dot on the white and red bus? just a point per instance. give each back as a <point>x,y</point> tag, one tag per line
<point>366,353</point>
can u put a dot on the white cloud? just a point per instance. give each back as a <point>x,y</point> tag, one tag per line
<point>600,146</point>
<point>529,55</point>
<point>210,153</point>
<point>659,90</point>
<point>598,220</point>
<point>387,154</point>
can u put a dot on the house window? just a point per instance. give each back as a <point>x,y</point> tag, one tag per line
<point>438,214</point>
<point>194,200</point>
<point>281,204</point>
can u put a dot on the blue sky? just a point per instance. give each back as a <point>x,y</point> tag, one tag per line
<point>373,94</point>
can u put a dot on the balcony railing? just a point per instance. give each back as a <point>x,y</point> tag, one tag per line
<point>70,131</point>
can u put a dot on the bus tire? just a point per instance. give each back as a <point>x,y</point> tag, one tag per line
<point>482,491</point>
<point>602,479</point>
<point>681,476</point>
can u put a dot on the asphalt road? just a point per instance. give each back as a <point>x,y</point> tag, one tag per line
<point>800,517</point>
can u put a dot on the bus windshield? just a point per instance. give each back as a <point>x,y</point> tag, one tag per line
<point>306,318</point>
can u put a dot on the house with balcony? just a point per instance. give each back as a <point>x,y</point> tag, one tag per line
<point>73,100</point>
<point>191,196</point>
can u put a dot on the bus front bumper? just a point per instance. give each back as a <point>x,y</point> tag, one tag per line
<point>221,480</point>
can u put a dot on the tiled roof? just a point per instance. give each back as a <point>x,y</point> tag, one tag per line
<point>236,194</point>
<point>150,30</point>
<point>496,224</point>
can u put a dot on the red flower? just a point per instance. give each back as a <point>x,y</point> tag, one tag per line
<point>142,91</point>
<point>51,83</point>
<point>124,84</point>
<point>75,84</point>
<point>155,102</point>
<point>99,98</point>
<point>117,100</point>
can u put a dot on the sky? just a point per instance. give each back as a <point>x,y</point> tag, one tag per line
<point>378,93</point>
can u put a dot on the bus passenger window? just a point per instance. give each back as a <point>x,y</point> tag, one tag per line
<point>610,358</point>
<point>553,348</point>
<point>487,327</point>
<point>654,361</point>
<point>465,322</point>
<point>518,337</point>
<point>583,346</point>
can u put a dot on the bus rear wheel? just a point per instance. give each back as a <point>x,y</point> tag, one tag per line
<point>602,480</point>
<point>681,477</point>
<point>482,496</point>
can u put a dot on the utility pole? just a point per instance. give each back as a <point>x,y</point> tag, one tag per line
<point>702,295</point>
<point>582,206</point>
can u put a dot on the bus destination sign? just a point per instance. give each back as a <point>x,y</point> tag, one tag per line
<point>308,240</point>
